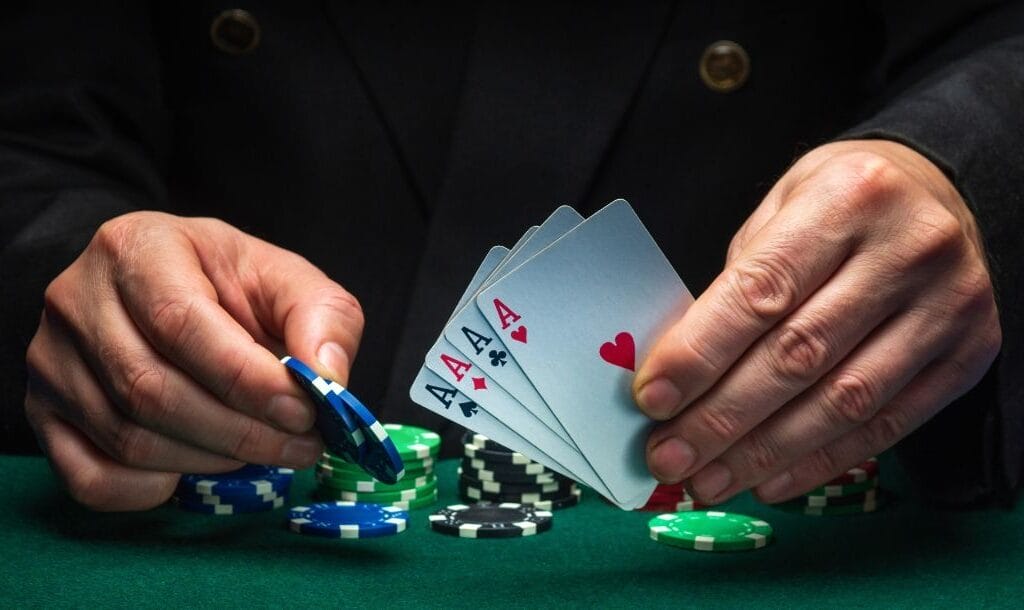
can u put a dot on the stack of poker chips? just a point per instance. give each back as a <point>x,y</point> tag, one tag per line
<point>340,479</point>
<point>250,489</point>
<point>491,472</point>
<point>672,499</point>
<point>853,492</point>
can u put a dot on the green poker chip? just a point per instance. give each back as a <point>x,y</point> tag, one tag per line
<point>373,486</point>
<point>849,489</point>
<point>414,443</point>
<point>340,469</point>
<point>380,497</point>
<point>710,531</point>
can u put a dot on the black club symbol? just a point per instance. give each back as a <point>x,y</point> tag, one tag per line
<point>498,358</point>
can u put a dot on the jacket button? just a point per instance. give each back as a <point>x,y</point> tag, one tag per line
<point>235,32</point>
<point>724,66</point>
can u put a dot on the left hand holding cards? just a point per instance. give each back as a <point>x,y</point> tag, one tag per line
<point>155,355</point>
<point>855,304</point>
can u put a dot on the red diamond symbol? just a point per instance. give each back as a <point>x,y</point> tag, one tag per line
<point>479,383</point>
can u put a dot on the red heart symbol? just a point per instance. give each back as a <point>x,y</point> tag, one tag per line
<point>620,353</point>
<point>519,334</point>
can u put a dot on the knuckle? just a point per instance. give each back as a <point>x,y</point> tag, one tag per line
<point>765,286</point>
<point>723,426</point>
<point>143,388</point>
<point>850,398</point>
<point>801,350</point>
<point>868,180</point>
<point>884,430</point>
<point>824,463</point>
<point>174,316</point>
<point>114,236</point>
<point>937,236</point>
<point>132,445</point>
<point>345,305</point>
<point>762,455</point>
<point>250,441</point>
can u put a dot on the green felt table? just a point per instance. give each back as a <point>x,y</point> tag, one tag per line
<point>907,555</point>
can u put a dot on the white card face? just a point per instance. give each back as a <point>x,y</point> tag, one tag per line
<point>470,333</point>
<point>432,393</point>
<point>456,370</point>
<point>491,262</point>
<point>578,317</point>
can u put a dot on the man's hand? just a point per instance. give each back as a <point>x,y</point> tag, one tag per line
<point>854,305</point>
<point>156,355</point>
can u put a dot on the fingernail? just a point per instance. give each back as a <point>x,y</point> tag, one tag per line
<point>775,489</point>
<point>659,398</point>
<point>671,459</point>
<point>290,414</point>
<point>335,360</point>
<point>711,481</point>
<point>300,452</point>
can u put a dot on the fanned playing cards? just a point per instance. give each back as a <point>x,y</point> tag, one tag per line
<point>541,350</point>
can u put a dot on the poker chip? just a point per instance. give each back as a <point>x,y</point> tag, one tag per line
<point>507,477</point>
<point>334,420</point>
<point>417,488</point>
<point>868,503</point>
<point>861,498</point>
<point>227,509</point>
<point>485,520</point>
<point>347,520</point>
<point>710,531</point>
<point>491,473</point>
<point>531,468</point>
<point>379,455</point>
<point>251,479</point>
<point>655,506</point>
<point>503,487</point>
<point>568,501</point>
<point>382,497</point>
<point>375,486</point>
<point>252,499</point>
<point>342,469</point>
<point>481,441</point>
<point>867,470</point>
<point>498,457</point>
<point>417,503</point>
<point>414,443</point>
<point>836,491</point>
<point>476,494</point>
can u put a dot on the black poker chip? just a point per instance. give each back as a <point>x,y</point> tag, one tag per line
<point>510,477</point>
<point>487,520</point>
<point>481,441</point>
<point>560,483</point>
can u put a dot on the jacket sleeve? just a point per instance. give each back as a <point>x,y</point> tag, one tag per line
<point>961,104</point>
<point>81,127</point>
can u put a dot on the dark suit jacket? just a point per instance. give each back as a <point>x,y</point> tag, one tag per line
<point>392,144</point>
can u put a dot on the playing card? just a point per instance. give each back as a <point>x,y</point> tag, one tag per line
<point>578,317</point>
<point>433,393</point>
<point>456,370</point>
<point>470,333</point>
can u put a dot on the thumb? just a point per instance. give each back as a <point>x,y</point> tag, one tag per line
<point>321,323</point>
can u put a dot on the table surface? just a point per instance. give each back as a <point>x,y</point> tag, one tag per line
<point>57,554</point>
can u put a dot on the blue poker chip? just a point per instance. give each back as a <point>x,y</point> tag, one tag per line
<point>251,479</point>
<point>227,509</point>
<point>380,456</point>
<point>341,434</point>
<point>247,499</point>
<point>347,520</point>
